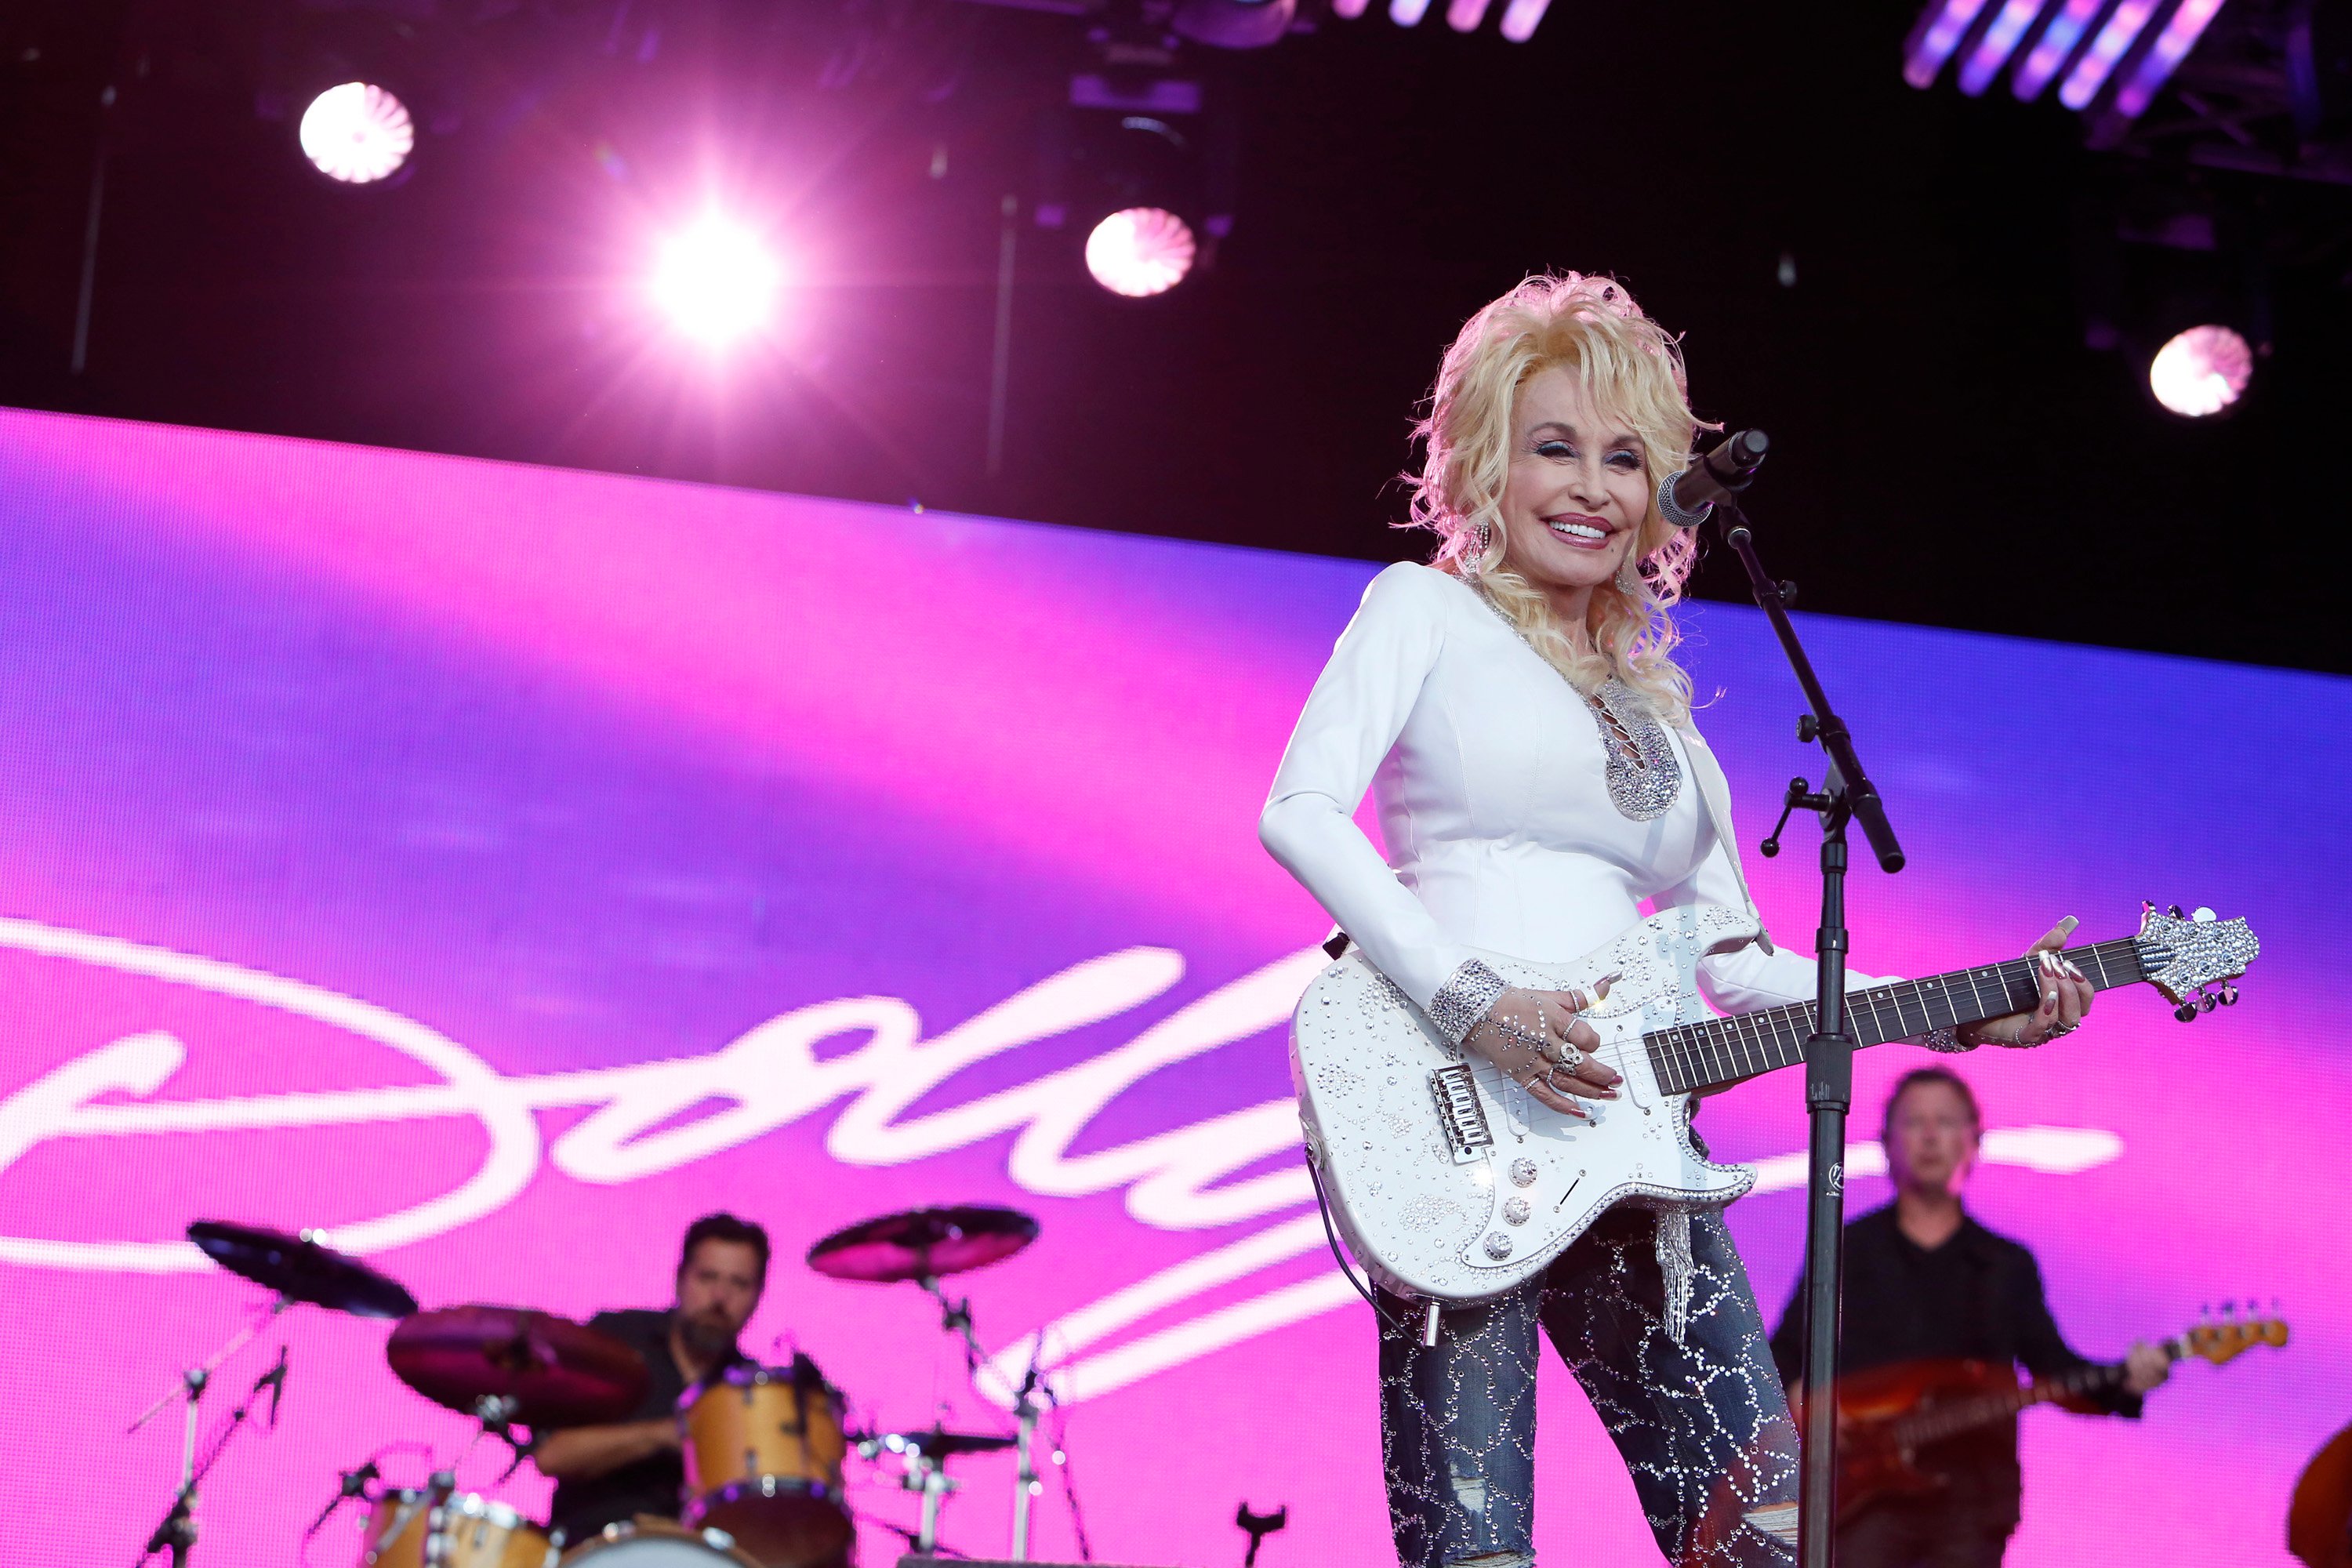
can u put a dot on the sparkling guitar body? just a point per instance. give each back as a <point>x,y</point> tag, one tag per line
<point>1448,1181</point>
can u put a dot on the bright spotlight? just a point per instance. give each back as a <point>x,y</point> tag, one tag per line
<point>1141,251</point>
<point>2201,372</point>
<point>357,133</point>
<point>717,282</point>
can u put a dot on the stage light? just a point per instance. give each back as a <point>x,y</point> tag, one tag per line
<point>717,282</point>
<point>357,133</point>
<point>2171,47</point>
<point>1141,251</point>
<point>2200,372</point>
<point>2114,40</point>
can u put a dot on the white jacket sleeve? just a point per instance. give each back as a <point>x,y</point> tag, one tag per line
<point>1750,976</point>
<point>1353,717</point>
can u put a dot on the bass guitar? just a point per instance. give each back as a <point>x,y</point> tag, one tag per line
<point>1449,1182</point>
<point>1885,1416</point>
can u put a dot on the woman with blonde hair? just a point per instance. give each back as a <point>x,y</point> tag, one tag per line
<point>1516,711</point>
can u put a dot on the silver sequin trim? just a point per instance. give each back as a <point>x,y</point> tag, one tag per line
<point>1643,787</point>
<point>1674,1269</point>
<point>1644,790</point>
<point>1946,1040</point>
<point>1464,998</point>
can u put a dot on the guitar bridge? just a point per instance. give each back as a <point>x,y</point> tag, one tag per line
<point>1463,1119</point>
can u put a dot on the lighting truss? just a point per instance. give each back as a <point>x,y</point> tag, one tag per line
<point>2227,84</point>
<point>2111,56</point>
<point>1520,17</point>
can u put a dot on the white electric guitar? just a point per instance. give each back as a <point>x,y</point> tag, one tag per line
<point>1450,1182</point>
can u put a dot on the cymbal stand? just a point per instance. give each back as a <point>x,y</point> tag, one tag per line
<point>177,1532</point>
<point>955,1318</point>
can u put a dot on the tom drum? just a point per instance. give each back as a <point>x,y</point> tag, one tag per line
<point>763,1453</point>
<point>407,1530</point>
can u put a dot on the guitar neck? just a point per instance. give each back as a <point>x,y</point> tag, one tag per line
<point>1718,1052</point>
<point>1966,1414</point>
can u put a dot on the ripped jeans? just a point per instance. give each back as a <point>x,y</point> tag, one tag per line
<point>1703,1425</point>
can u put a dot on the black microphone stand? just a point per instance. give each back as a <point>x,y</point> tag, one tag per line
<point>1846,795</point>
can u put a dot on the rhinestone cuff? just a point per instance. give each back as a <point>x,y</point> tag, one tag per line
<point>1944,1041</point>
<point>1464,998</point>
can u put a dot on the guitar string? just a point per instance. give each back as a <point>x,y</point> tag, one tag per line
<point>1723,1049</point>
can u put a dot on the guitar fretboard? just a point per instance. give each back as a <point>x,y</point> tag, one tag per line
<point>1719,1051</point>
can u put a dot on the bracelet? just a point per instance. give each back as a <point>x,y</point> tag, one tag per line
<point>1465,997</point>
<point>1946,1040</point>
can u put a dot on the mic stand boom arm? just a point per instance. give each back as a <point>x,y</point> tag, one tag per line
<point>1846,795</point>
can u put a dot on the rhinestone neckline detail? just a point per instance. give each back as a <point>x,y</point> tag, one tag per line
<point>1645,780</point>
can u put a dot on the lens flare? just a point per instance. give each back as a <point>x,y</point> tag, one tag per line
<point>717,282</point>
<point>1141,251</point>
<point>2201,372</point>
<point>357,133</point>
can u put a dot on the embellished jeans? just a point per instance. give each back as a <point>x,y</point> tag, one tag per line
<point>1702,1424</point>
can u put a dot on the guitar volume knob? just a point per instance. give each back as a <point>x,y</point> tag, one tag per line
<point>1523,1172</point>
<point>1515,1211</point>
<point>1498,1246</point>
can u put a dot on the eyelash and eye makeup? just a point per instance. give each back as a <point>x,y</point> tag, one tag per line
<point>1623,461</point>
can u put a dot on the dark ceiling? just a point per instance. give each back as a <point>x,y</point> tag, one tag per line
<point>1949,447</point>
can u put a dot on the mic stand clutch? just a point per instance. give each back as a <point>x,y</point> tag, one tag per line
<point>1846,797</point>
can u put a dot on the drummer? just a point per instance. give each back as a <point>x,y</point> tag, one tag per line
<point>609,1474</point>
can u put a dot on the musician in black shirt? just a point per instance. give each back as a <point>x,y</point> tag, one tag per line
<point>609,1474</point>
<point>1924,1282</point>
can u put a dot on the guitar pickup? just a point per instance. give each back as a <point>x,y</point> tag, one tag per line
<point>1458,1110</point>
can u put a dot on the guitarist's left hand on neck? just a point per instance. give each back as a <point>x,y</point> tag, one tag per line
<point>2066,995</point>
<point>2145,1366</point>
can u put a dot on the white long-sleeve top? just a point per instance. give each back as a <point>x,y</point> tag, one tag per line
<point>1489,775</point>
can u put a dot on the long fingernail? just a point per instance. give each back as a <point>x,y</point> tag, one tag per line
<point>2066,927</point>
<point>2072,971</point>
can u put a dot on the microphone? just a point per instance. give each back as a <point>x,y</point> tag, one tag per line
<point>274,1380</point>
<point>1687,498</point>
<point>355,1485</point>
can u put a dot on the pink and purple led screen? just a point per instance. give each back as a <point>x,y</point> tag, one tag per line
<point>500,867</point>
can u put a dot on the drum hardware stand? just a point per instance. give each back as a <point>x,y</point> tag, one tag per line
<point>955,1318</point>
<point>1026,1484</point>
<point>1260,1526</point>
<point>1846,797</point>
<point>177,1532</point>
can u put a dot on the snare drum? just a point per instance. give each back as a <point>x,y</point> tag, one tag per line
<point>466,1532</point>
<point>763,1455</point>
<point>650,1542</point>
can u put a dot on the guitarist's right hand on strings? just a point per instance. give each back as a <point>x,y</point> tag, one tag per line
<point>1537,1038</point>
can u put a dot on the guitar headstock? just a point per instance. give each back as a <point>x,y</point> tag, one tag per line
<point>2232,1337</point>
<point>2182,954</point>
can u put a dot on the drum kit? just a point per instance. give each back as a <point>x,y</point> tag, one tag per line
<point>763,1447</point>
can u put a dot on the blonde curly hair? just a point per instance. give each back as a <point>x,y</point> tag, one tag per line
<point>1634,368</point>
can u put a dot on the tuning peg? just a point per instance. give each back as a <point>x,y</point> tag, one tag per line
<point>2175,913</point>
<point>2208,1001</point>
<point>2186,1012</point>
<point>2202,915</point>
<point>2228,995</point>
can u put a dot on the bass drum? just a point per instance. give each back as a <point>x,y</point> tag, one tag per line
<point>652,1543</point>
<point>466,1532</point>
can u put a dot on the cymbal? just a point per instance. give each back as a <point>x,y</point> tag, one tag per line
<point>301,1270</point>
<point>940,1443</point>
<point>923,1244</point>
<point>557,1372</point>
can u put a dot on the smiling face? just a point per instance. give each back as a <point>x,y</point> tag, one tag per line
<point>1578,491</point>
